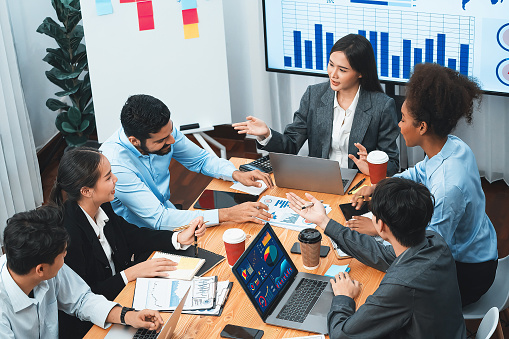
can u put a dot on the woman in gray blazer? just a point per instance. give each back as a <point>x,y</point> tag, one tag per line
<point>346,115</point>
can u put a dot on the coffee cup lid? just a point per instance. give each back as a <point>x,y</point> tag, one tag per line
<point>234,236</point>
<point>377,157</point>
<point>310,236</point>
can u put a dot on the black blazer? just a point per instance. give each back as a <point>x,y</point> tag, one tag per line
<point>86,256</point>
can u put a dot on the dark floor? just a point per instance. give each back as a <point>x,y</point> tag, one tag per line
<point>186,186</point>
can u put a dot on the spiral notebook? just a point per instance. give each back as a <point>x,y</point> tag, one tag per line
<point>187,266</point>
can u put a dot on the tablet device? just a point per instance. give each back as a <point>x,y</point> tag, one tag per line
<point>210,199</point>
<point>349,211</point>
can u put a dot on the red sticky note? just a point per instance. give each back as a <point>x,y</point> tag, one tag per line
<point>190,16</point>
<point>145,8</point>
<point>146,23</point>
<point>126,1</point>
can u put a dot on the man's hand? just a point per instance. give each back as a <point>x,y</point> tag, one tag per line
<point>150,269</point>
<point>315,214</point>
<point>250,178</point>
<point>196,227</point>
<point>344,285</point>
<point>362,225</point>
<point>252,126</point>
<point>360,195</point>
<point>362,163</point>
<point>245,212</point>
<point>145,318</point>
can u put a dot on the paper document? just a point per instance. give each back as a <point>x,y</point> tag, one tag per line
<point>223,289</point>
<point>165,294</point>
<point>284,216</point>
<point>250,189</point>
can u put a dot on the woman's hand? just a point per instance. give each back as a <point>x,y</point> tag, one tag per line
<point>362,225</point>
<point>361,162</point>
<point>252,126</point>
<point>196,227</point>
<point>150,269</point>
<point>315,214</point>
<point>360,195</point>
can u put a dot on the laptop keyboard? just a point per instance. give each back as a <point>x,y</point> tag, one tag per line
<point>144,333</point>
<point>262,164</point>
<point>302,300</point>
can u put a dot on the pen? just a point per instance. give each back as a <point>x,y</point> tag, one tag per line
<point>309,205</point>
<point>181,228</point>
<point>357,185</point>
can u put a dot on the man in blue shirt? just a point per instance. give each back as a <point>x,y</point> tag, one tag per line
<point>35,283</point>
<point>140,154</point>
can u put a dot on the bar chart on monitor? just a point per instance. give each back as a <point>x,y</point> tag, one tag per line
<point>400,37</point>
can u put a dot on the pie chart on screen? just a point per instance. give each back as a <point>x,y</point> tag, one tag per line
<point>270,255</point>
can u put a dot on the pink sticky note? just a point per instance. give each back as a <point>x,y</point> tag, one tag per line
<point>126,1</point>
<point>145,8</point>
<point>190,16</point>
<point>146,23</point>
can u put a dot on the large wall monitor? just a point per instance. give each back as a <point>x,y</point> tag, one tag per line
<point>471,36</point>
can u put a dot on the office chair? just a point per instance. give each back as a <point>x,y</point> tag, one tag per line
<point>488,324</point>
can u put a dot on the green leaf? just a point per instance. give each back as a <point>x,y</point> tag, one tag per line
<point>80,66</point>
<point>67,127</point>
<point>79,53</point>
<point>74,115</point>
<point>68,92</point>
<point>58,62</point>
<point>66,85</point>
<point>51,29</point>
<point>76,36</point>
<point>91,127</point>
<point>65,75</point>
<point>89,109</point>
<point>54,104</point>
<point>84,125</point>
<point>59,53</point>
<point>75,140</point>
<point>85,92</point>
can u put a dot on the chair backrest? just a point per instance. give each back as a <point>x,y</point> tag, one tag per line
<point>503,266</point>
<point>488,324</point>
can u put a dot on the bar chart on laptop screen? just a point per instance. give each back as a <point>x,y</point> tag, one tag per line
<point>400,38</point>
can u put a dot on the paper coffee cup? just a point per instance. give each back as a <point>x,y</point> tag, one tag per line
<point>377,163</point>
<point>310,241</point>
<point>234,243</point>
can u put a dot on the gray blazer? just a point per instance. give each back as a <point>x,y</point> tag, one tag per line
<point>417,298</point>
<point>375,126</point>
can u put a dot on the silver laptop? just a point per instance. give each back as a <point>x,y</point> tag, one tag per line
<point>311,174</point>
<point>281,294</point>
<point>128,332</point>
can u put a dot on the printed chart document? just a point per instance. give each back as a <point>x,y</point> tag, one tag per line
<point>187,266</point>
<point>284,216</point>
<point>223,290</point>
<point>165,294</point>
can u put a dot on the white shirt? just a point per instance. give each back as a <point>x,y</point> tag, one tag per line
<point>25,317</point>
<point>341,126</point>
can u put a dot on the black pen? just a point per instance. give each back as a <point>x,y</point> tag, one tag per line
<point>357,185</point>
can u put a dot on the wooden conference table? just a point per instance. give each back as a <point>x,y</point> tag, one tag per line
<point>238,310</point>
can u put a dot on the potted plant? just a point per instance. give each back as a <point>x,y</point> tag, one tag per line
<point>70,72</point>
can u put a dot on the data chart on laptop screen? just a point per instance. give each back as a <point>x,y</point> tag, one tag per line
<point>265,271</point>
<point>470,36</point>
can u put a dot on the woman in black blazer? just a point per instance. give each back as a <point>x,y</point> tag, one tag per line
<point>103,245</point>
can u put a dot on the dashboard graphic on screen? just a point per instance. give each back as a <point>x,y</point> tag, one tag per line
<point>470,36</point>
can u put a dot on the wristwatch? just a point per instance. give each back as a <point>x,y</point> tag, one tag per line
<point>122,314</point>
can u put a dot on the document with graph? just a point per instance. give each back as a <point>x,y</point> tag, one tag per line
<point>165,294</point>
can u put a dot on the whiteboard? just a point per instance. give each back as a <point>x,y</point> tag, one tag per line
<point>189,75</point>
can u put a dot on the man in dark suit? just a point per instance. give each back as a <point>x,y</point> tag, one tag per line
<point>419,295</point>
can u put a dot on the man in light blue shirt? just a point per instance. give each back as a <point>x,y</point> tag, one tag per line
<point>35,283</point>
<point>140,154</point>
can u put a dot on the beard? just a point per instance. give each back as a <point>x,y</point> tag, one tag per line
<point>163,151</point>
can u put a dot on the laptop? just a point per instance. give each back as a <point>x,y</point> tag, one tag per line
<point>310,174</point>
<point>127,332</point>
<point>281,294</point>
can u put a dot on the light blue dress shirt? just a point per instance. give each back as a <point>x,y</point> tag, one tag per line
<point>459,215</point>
<point>142,192</point>
<point>25,317</point>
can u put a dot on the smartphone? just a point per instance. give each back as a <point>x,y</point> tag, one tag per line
<point>349,211</point>
<point>239,332</point>
<point>324,250</point>
<point>210,199</point>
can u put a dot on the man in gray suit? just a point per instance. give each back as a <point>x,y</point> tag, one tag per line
<point>419,295</point>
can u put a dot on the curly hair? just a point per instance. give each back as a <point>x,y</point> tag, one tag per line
<point>440,97</point>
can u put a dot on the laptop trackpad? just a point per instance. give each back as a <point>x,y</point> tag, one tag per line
<point>322,306</point>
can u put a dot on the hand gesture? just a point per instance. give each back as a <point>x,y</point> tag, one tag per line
<point>250,178</point>
<point>196,227</point>
<point>360,195</point>
<point>344,285</point>
<point>148,319</point>
<point>315,214</point>
<point>252,126</point>
<point>150,269</point>
<point>362,225</point>
<point>362,163</point>
<point>246,212</point>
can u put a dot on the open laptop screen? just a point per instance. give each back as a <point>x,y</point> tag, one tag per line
<point>264,270</point>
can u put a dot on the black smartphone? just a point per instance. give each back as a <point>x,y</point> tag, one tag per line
<point>349,211</point>
<point>324,250</point>
<point>210,199</point>
<point>239,332</point>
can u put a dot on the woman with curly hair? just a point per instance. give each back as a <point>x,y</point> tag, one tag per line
<point>437,98</point>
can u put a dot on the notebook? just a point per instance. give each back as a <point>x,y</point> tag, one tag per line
<point>187,266</point>
<point>211,259</point>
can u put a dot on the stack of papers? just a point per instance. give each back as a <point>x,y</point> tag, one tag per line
<point>249,189</point>
<point>223,290</point>
<point>284,216</point>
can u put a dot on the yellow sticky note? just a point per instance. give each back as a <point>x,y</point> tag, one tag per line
<point>187,263</point>
<point>191,31</point>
